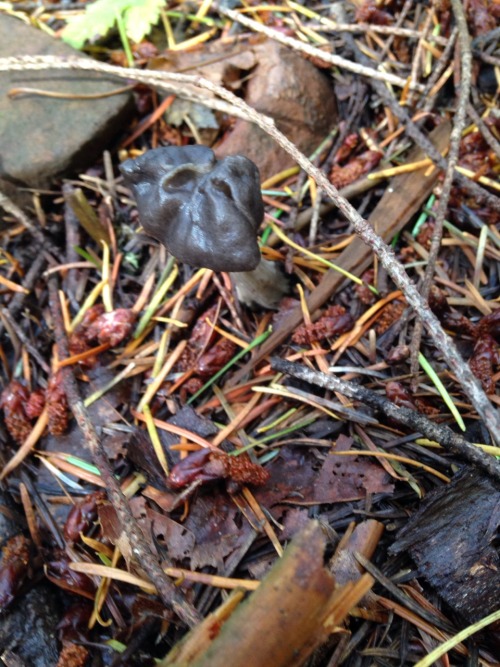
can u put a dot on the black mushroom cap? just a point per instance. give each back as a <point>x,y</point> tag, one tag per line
<point>205,211</point>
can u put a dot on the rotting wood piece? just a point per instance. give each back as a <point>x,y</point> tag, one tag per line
<point>294,610</point>
<point>450,538</point>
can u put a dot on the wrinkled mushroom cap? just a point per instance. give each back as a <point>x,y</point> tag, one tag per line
<point>205,211</point>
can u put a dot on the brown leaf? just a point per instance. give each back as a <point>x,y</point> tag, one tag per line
<point>216,524</point>
<point>348,478</point>
<point>295,479</point>
<point>173,536</point>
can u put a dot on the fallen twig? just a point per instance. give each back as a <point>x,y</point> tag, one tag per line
<point>414,132</point>
<point>28,283</point>
<point>12,322</point>
<point>293,611</point>
<point>330,58</point>
<point>459,122</point>
<point>427,100</point>
<point>442,434</point>
<point>487,134</point>
<point>133,537</point>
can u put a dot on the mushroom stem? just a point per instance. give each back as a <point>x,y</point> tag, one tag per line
<point>265,286</point>
<point>207,212</point>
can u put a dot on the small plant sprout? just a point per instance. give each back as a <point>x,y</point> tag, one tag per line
<point>207,212</point>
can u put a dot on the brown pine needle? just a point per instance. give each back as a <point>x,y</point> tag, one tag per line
<point>14,287</point>
<point>27,445</point>
<point>395,457</point>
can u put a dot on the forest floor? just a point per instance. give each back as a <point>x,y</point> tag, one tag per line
<point>307,475</point>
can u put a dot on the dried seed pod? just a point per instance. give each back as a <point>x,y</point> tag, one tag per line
<point>113,327</point>
<point>13,569</point>
<point>81,515</point>
<point>490,324</point>
<point>357,167</point>
<point>397,355</point>
<point>12,401</point>
<point>370,13</point>
<point>335,321</point>
<point>450,319</point>
<point>363,292</point>
<point>484,360</point>
<point>58,571</point>
<point>215,358</point>
<point>73,655</point>
<point>35,405</point>
<point>207,465</point>
<point>57,405</point>
<point>401,397</point>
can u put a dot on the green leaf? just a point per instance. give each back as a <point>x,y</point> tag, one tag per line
<point>100,17</point>
<point>140,16</point>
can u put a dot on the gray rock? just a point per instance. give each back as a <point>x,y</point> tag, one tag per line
<point>41,137</point>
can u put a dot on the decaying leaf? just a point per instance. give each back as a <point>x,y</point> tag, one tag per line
<point>296,480</point>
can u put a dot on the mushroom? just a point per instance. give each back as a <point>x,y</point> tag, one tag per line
<point>207,213</point>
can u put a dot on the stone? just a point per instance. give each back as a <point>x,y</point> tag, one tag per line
<point>40,137</point>
<point>299,97</point>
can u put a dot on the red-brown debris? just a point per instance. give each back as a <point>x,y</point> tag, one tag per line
<point>13,569</point>
<point>335,321</point>
<point>359,166</point>
<point>348,145</point>
<point>113,327</point>
<point>370,13</point>
<point>485,358</point>
<point>364,294</point>
<point>81,515</point>
<point>215,358</point>
<point>401,397</point>
<point>208,465</point>
<point>36,403</point>
<point>390,314</point>
<point>57,405</point>
<point>13,400</point>
<point>73,655</point>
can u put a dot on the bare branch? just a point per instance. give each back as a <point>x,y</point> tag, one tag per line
<point>442,434</point>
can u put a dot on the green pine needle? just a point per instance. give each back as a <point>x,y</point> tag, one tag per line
<point>441,389</point>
